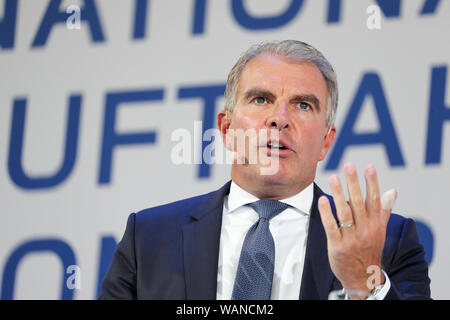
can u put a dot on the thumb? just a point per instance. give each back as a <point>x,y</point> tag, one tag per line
<point>387,203</point>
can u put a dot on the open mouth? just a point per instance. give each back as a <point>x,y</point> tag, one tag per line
<point>276,145</point>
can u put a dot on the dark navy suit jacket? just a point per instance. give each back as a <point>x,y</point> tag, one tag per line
<point>172,251</point>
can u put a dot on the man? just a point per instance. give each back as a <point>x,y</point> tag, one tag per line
<point>274,235</point>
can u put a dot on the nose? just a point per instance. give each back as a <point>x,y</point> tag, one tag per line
<point>279,117</point>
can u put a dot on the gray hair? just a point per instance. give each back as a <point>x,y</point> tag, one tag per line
<point>290,50</point>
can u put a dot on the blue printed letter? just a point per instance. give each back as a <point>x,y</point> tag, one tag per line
<point>8,24</point>
<point>16,172</point>
<point>59,247</point>
<point>429,7</point>
<point>253,23</point>
<point>390,8</point>
<point>437,114</point>
<point>370,85</point>
<point>140,19</point>
<point>111,139</point>
<point>208,94</point>
<point>198,25</point>
<point>54,16</point>
<point>334,11</point>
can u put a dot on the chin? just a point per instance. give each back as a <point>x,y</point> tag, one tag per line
<point>279,178</point>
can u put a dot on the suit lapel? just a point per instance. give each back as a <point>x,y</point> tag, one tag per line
<point>317,276</point>
<point>201,240</point>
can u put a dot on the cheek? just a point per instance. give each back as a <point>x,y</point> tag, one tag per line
<point>313,138</point>
<point>244,120</point>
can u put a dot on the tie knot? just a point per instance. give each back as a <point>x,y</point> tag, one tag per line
<point>268,208</point>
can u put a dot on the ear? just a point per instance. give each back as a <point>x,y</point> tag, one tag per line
<point>328,142</point>
<point>223,123</point>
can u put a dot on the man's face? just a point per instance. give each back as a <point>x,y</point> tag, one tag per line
<point>290,97</point>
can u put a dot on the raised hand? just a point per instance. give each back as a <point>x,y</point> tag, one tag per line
<point>355,244</point>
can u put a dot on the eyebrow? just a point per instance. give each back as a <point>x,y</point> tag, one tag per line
<point>308,98</point>
<point>259,92</point>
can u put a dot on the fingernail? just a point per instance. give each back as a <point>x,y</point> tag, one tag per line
<point>322,200</point>
<point>349,168</point>
<point>370,169</point>
<point>334,179</point>
<point>388,199</point>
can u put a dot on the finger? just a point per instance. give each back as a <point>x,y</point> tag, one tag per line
<point>373,203</point>
<point>328,221</point>
<point>344,212</point>
<point>387,203</point>
<point>355,194</point>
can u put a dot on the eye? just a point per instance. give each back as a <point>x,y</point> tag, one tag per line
<point>304,106</point>
<point>260,100</point>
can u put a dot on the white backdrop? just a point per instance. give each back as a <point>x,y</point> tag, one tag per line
<point>139,77</point>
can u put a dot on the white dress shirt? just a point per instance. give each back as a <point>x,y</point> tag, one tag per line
<point>289,230</point>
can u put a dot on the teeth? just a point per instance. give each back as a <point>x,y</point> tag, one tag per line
<point>276,145</point>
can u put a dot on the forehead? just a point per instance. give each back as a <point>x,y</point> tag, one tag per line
<point>279,75</point>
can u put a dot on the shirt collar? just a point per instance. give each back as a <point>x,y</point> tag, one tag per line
<point>301,201</point>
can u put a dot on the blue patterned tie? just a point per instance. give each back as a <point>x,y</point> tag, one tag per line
<point>255,270</point>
